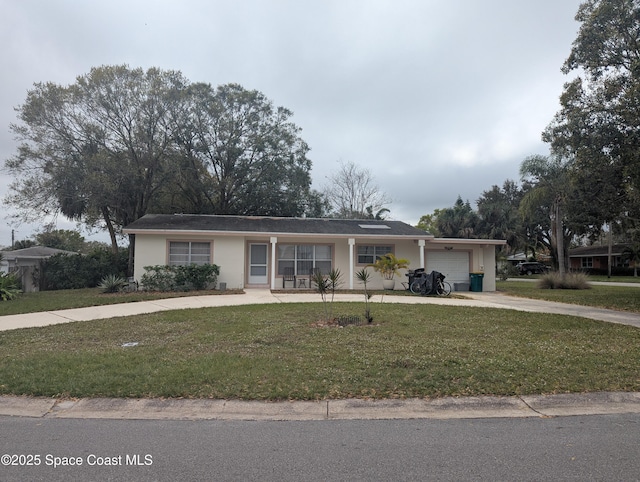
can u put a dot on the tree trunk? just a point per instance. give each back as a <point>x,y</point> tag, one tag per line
<point>609,252</point>
<point>132,249</point>
<point>112,232</point>
<point>560,239</point>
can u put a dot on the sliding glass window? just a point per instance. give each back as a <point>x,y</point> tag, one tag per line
<point>304,257</point>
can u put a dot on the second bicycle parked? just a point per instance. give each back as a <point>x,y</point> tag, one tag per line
<point>429,284</point>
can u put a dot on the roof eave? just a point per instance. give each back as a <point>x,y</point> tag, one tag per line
<point>207,232</point>
<point>495,242</point>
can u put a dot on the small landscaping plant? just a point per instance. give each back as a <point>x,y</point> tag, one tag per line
<point>364,277</point>
<point>388,265</point>
<point>9,287</point>
<point>326,285</point>
<point>112,284</point>
<point>569,281</point>
<point>507,271</point>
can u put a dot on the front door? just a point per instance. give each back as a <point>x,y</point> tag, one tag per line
<point>258,256</point>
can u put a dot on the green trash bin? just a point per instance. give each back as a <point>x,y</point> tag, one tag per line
<point>476,281</point>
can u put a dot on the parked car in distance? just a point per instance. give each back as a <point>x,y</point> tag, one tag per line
<point>531,268</point>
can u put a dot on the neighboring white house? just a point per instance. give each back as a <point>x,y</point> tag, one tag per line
<point>254,251</point>
<point>25,264</point>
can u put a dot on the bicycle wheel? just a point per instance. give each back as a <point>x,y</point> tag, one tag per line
<point>415,287</point>
<point>444,289</point>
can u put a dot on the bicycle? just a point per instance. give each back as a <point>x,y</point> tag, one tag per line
<point>429,284</point>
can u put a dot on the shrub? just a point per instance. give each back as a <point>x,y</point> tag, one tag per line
<point>112,283</point>
<point>180,278</point>
<point>62,271</point>
<point>507,271</point>
<point>196,277</point>
<point>570,281</point>
<point>9,287</point>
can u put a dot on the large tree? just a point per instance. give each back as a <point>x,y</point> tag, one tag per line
<point>499,217</point>
<point>243,155</point>
<point>121,142</point>
<point>598,125</point>
<point>458,221</point>
<point>98,150</point>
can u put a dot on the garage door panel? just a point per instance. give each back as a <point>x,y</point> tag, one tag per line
<point>454,265</point>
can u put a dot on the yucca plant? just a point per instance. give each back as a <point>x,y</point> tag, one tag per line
<point>9,287</point>
<point>112,284</point>
<point>325,285</point>
<point>364,277</point>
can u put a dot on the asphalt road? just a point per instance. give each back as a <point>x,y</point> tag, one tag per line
<point>596,447</point>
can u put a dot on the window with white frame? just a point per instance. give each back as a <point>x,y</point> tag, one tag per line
<point>586,262</point>
<point>369,254</point>
<point>303,257</point>
<point>183,253</point>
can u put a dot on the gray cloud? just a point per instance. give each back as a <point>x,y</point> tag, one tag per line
<point>435,98</point>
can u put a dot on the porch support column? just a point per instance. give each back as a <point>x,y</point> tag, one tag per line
<point>421,244</point>
<point>274,261</point>
<point>352,243</point>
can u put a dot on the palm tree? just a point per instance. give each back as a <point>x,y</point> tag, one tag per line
<point>550,180</point>
<point>632,253</point>
<point>458,221</point>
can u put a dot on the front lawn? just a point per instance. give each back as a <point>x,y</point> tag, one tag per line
<point>80,298</point>
<point>277,352</point>
<point>626,298</point>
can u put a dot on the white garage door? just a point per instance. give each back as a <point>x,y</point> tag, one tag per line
<point>454,265</point>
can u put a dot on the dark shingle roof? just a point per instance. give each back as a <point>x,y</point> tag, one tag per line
<point>274,225</point>
<point>616,250</point>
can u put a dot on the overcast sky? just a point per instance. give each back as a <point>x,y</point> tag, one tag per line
<point>437,98</point>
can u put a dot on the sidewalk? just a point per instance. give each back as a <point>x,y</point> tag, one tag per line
<point>599,403</point>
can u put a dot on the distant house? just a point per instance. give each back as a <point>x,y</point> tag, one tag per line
<point>596,258</point>
<point>25,264</point>
<point>257,251</point>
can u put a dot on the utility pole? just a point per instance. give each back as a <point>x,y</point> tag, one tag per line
<point>13,237</point>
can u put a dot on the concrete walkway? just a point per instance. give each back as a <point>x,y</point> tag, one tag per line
<point>468,407</point>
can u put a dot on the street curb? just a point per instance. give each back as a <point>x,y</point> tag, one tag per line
<point>599,403</point>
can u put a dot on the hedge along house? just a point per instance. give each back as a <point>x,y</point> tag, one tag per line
<point>257,252</point>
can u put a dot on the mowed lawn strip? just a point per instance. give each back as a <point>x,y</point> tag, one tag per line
<point>277,352</point>
<point>80,298</point>
<point>625,298</point>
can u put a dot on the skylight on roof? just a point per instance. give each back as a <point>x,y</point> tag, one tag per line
<point>374,226</point>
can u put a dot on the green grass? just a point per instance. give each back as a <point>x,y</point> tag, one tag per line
<point>615,279</point>
<point>612,297</point>
<point>65,299</point>
<point>276,352</point>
